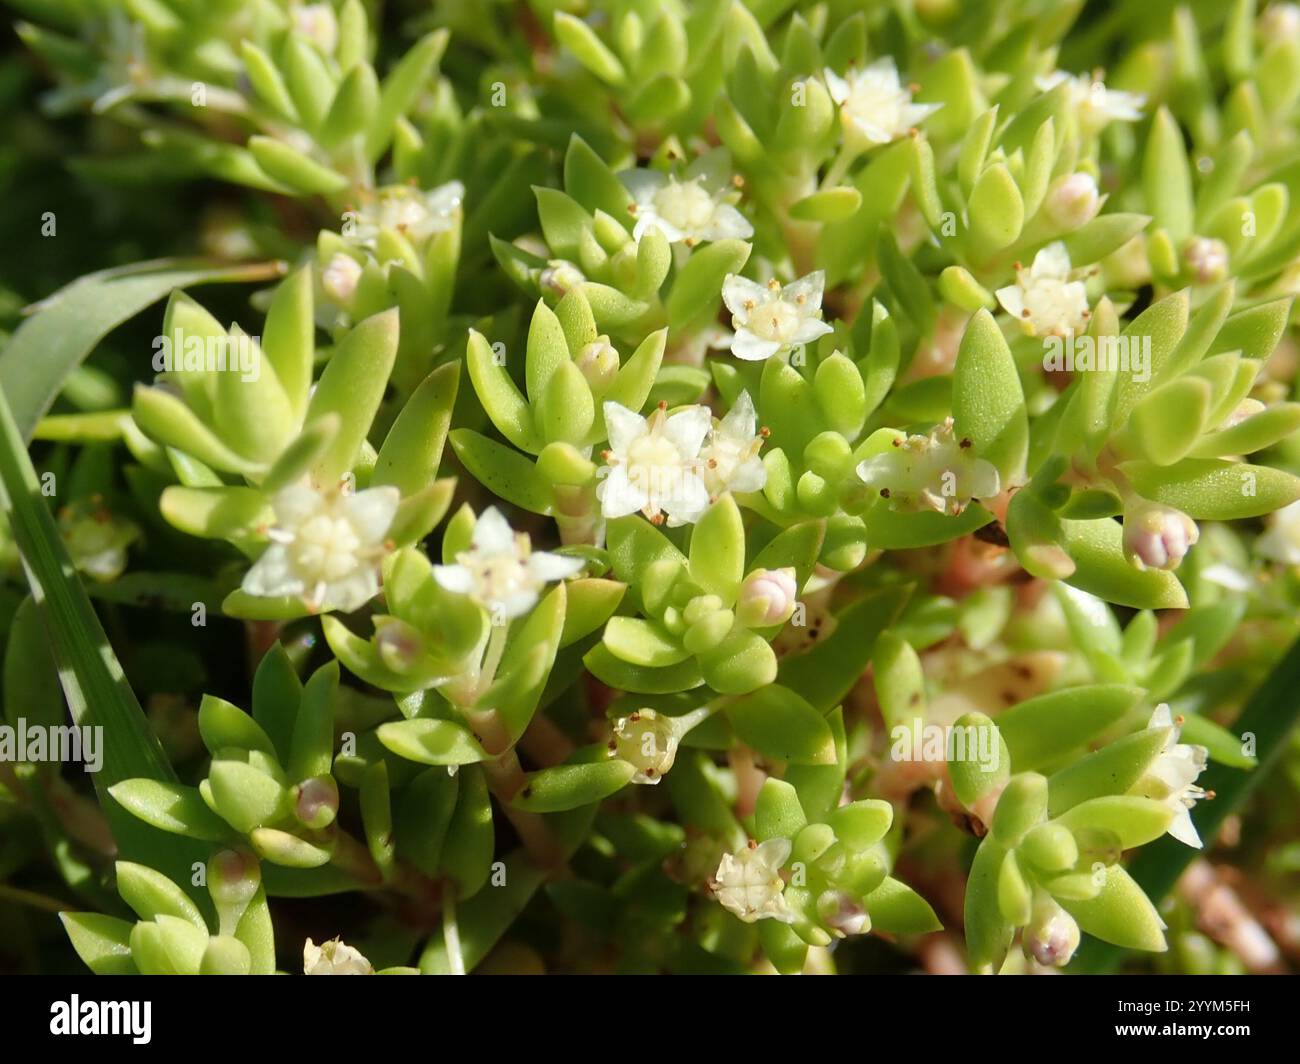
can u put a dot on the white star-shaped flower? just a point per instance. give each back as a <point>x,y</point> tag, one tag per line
<point>1171,779</point>
<point>685,210</point>
<point>875,107</point>
<point>1281,540</point>
<point>1096,105</point>
<point>749,883</point>
<point>653,464</point>
<point>933,472</point>
<point>730,460</point>
<point>770,318</point>
<point>326,546</point>
<point>334,957</point>
<point>501,571</point>
<point>1044,299</point>
<point>415,214</point>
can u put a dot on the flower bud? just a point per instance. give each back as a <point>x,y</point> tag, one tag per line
<point>339,278</point>
<point>400,645</point>
<point>560,277</point>
<point>1052,935</point>
<point>316,802</point>
<point>1072,200</point>
<point>767,597</point>
<point>1207,258</point>
<point>233,881</point>
<point>842,914</point>
<point>1156,536</point>
<point>1243,411</point>
<point>598,362</point>
<point>648,741</point>
<point>318,23</point>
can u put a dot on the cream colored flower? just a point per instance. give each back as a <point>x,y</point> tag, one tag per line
<point>1171,779</point>
<point>326,546</point>
<point>933,472</point>
<point>653,464</point>
<point>875,107</point>
<point>685,210</point>
<point>318,23</point>
<point>501,571</point>
<point>771,318</point>
<point>648,741</point>
<point>1044,300</point>
<point>730,460</point>
<point>1095,105</point>
<point>334,957</point>
<point>339,278</point>
<point>415,214</point>
<point>749,883</point>
<point>1281,540</point>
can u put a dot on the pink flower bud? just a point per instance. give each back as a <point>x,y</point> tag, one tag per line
<point>1052,935</point>
<point>316,802</point>
<point>1157,537</point>
<point>1072,200</point>
<point>767,597</point>
<point>560,277</point>
<point>400,645</point>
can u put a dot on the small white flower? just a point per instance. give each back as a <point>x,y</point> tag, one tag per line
<point>749,883</point>
<point>647,740</point>
<point>685,210</point>
<point>1279,22</point>
<point>1096,105</point>
<point>318,23</point>
<point>415,214</point>
<point>1171,779</point>
<point>334,957</point>
<point>875,107</point>
<point>1044,299</point>
<point>326,546</point>
<point>934,472</point>
<point>1281,541</point>
<point>653,465</point>
<point>339,278</point>
<point>770,318</point>
<point>1207,259</point>
<point>730,460</point>
<point>501,571</point>
<point>1156,536</point>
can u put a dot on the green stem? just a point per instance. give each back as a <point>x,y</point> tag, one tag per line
<point>451,934</point>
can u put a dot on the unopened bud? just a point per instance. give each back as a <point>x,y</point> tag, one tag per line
<point>318,23</point>
<point>1243,411</point>
<point>334,957</point>
<point>560,277</point>
<point>1279,22</point>
<point>1207,258</point>
<point>233,881</point>
<point>1156,536</point>
<point>767,597</point>
<point>316,802</point>
<point>842,914</point>
<point>648,741</point>
<point>339,278</point>
<point>598,362</point>
<point>1052,935</point>
<point>399,644</point>
<point>1072,200</point>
